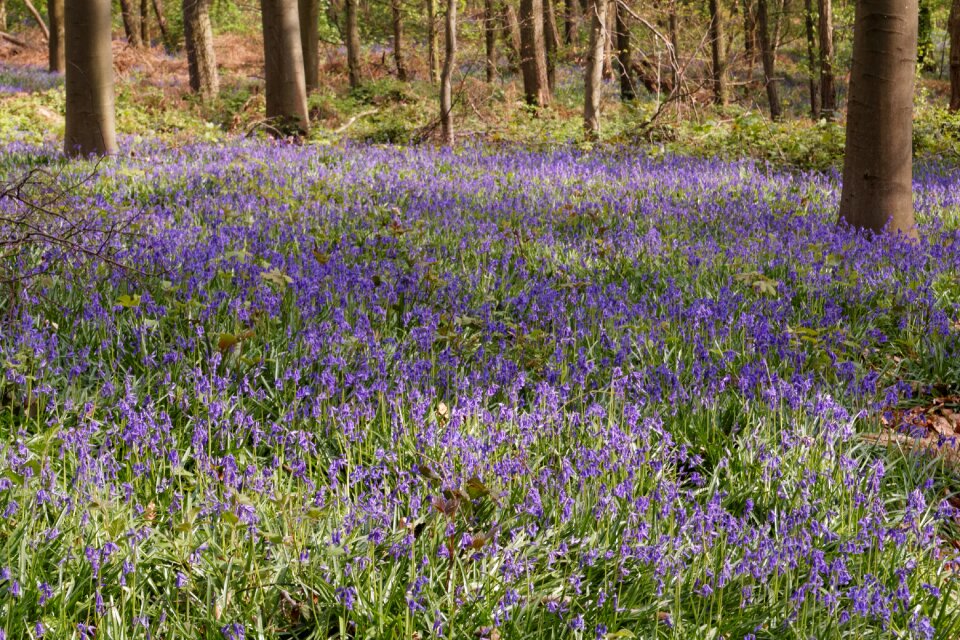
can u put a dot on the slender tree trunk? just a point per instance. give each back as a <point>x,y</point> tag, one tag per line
<point>533,60</point>
<point>718,54</point>
<point>551,40</point>
<point>749,32</point>
<point>145,36</point>
<point>569,20</point>
<point>954,31</point>
<point>286,87</point>
<point>162,23</point>
<point>812,60</point>
<point>131,22</point>
<point>622,59</point>
<point>352,34</point>
<point>396,9</point>
<point>89,79</point>
<point>828,92</point>
<point>511,36</point>
<point>674,28</point>
<point>433,47</point>
<point>767,55</point>
<point>490,38</point>
<point>608,30</point>
<point>201,58</point>
<point>38,18</point>
<point>596,11</point>
<point>58,60</point>
<point>310,41</point>
<point>878,162</point>
<point>3,15</point>
<point>446,77</point>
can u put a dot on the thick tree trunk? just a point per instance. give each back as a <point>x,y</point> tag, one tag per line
<point>201,58</point>
<point>352,35</point>
<point>828,92</point>
<point>446,77</point>
<point>131,22</point>
<point>145,36</point>
<point>310,41</point>
<point>812,60</point>
<point>58,60</point>
<point>767,55</point>
<point>490,38</point>
<point>878,162</point>
<point>286,88</point>
<point>954,32</point>
<point>396,10</point>
<point>622,59</point>
<point>551,40</point>
<point>597,12</point>
<point>718,53</point>
<point>433,48</point>
<point>533,59</point>
<point>89,79</point>
<point>511,36</point>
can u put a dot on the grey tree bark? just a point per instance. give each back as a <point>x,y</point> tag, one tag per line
<point>433,47</point>
<point>597,11</point>
<point>767,53</point>
<point>131,22</point>
<point>954,33</point>
<point>533,58</point>
<point>352,35</point>
<point>877,189</point>
<point>446,77</point>
<point>828,91</point>
<point>396,10</point>
<point>718,53</point>
<point>310,41</point>
<point>58,56</point>
<point>90,126</point>
<point>286,88</point>
<point>812,59</point>
<point>622,59</point>
<point>201,58</point>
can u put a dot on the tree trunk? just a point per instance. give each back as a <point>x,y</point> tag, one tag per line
<point>201,58</point>
<point>490,38</point>
<point>38,18</point>
<point>433,48</point>
<point>396,10</point>
<point>286,87</point>
<point>767,55</point>
<point>812,60</point>
<point>58,60</point>
<point>878,162</point>
<point>162,23</point>
<point>145,36</point>
<point>352,34</point>
<point>533,59</point>
<point>511,36</point>
<point>446,77</point>
<point>569,20</point>
<point>3,15</point>
<point>674,27</point>
<point>597,11</point>
<point>718,54</point>
<point>622,59</point>
<point>749,33</point>
<point>89,79</point>
<point>954,32</point>
<point>551,40</point>
<point>828,92</point>
<point>310,41</point>
<point>131,22</point>
<point>608,30</point>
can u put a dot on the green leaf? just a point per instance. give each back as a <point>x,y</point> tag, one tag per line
<point>127,301</point>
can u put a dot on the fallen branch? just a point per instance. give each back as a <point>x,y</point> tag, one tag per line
<point>349,122</point>
<point>13,40</point>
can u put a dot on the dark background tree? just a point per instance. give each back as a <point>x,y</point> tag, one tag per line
<point>954,34</point>
<point>352,40</point>
<point>58,54</point>
<point>310,41</point>
<point>718,53</point>
<point>878,163</point>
